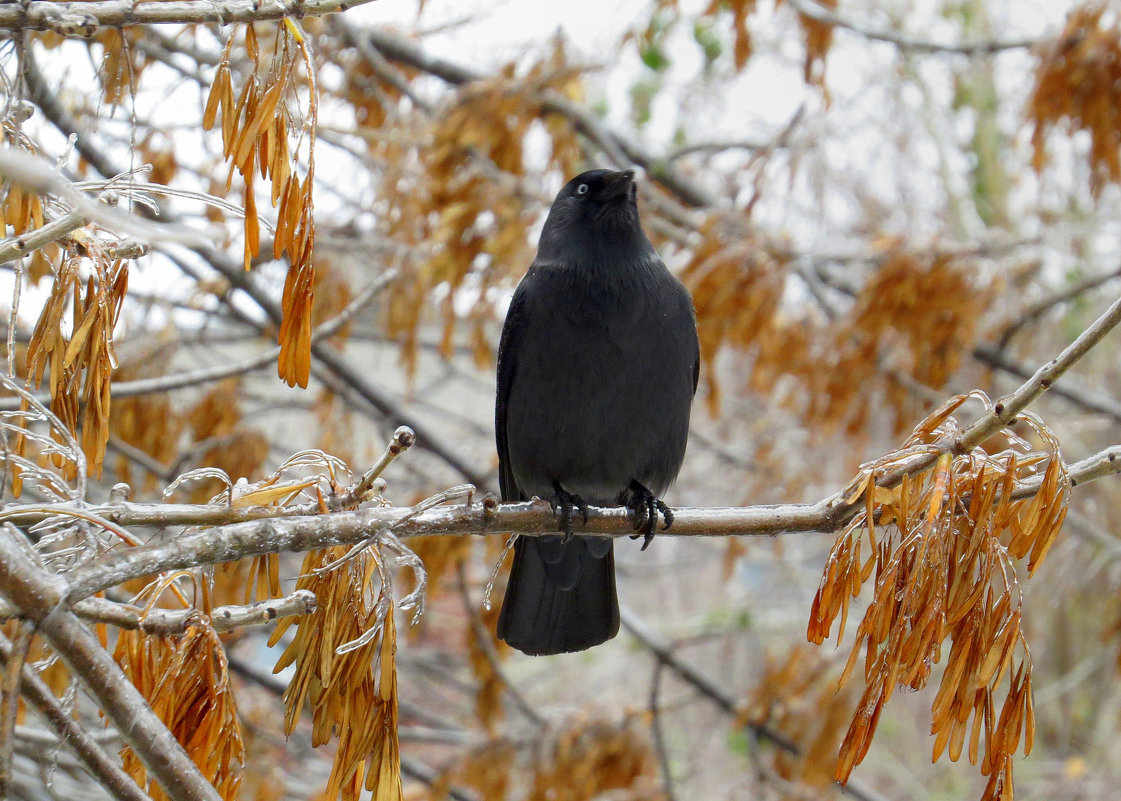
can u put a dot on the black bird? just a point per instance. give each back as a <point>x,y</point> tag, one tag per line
<point>597,368</point>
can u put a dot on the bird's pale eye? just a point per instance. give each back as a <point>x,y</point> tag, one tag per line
<point>582,189</point>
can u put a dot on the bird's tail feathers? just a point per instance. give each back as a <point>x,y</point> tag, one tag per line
<point>561,595</point>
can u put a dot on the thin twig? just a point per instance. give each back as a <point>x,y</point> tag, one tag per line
<point>36,174</point>
<point>1037,310</point>
<point>1101,464</point>
<point>656,729</point>
<point>19,246</point>
<point>403,439</point>
<point>1005,410</point>
<point>986,47</point>
<point>663,652</point>
<point>1083,398</point>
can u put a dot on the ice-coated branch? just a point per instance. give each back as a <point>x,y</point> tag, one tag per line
<point>1080,396</point>
<point>86,19</point>
<point>403,439</point>
<point>176,621</point>
<point>40,596</point>
<point>107,772</point>
<point>1006,409</point>
<point>37,175</point>
<point>9,702</point>
<point>242,532</point>
<point>19,246</point>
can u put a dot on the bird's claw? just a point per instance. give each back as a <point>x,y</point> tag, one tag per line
<point>645,507</point>
<point>565,502</point>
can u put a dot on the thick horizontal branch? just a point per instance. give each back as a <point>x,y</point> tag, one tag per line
<point>239,533</point>
<point>85,19</point>
<point>227,543</point>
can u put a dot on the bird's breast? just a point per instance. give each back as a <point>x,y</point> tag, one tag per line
<point>601,394</point>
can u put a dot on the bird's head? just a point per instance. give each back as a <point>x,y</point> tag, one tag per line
<point>596,209</point>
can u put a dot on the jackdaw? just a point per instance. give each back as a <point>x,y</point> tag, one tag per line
<point>597,368</point>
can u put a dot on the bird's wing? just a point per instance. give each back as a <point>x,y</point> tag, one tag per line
<point>696,369</point>
<point>507,366</point>
<point>696,344</point>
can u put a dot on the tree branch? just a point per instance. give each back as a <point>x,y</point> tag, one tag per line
<point>86,18</point>
<point>1081,397</point>
<point>987,47</point>
<point>175,621</point>
<point>1037,310</point>
<point>107,772</point>
<point>1007,408</point>
<point>9,703</point>
<point>19,246</point>
<point>262,530</point>
<point>1004,411</point>
<point>41,596</point>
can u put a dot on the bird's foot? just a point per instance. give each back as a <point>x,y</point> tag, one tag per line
<point>645,507</point>
<point>564,502</point>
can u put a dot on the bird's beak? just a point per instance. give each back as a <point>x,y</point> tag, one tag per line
<point>617,184</point>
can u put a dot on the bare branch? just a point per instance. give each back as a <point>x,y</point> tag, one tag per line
<point>1101,464</point>
<point>18,246</point>
<point>1004,411</point>
<point>1082,397</point>
<point>268,530</point>
<point>1037,310</point>
<point>9,703</point>
<point>175,621</point>
<point>85,19</point>
<point>40,595</point>
<point>1007,408</point>
<point>986,47</point>
<point>36,174</point>
<point>403,439</point>
<point>107,772</point>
